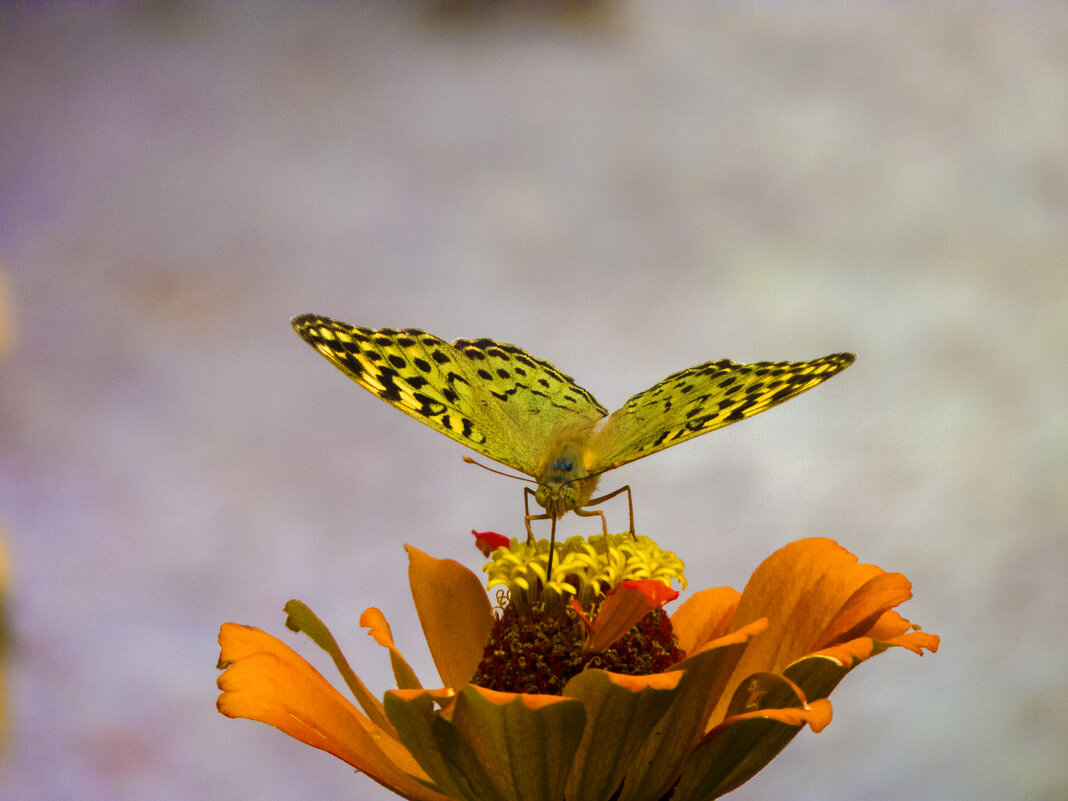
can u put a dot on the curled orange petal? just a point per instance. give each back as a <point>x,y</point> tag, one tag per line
<point>656,592</point>
<point>816,714</point>
<point>378,628</point>
<point>623,606</point>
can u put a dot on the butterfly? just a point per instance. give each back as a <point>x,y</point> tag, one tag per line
<point>523,412</point>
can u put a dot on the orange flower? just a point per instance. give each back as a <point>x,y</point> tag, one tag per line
<point>759,666</point>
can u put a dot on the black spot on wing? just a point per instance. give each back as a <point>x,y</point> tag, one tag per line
<point>506,395</point>
<point>387,377</point>
<point>428,407</point>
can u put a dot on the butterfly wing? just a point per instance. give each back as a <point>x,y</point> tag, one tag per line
<point>703,398</point>
<point>490,396</point>
<point>531,391</point>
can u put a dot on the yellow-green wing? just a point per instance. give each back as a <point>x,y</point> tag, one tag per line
<point>490,396</point>
<point>699,399</point>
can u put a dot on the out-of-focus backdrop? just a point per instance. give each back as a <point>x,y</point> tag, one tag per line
<point>624,192</point>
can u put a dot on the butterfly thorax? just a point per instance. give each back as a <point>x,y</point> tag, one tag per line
<point>564,483</point>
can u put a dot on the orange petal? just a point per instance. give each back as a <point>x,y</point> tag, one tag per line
<point>818,674</point>
<point>817,714</point>
<point>800,588</point>
<point>744,743</point>
<point>865,607</point>
<point>890,625</point>
<point>915,641</point>
<point>704,679</point>
<point>704,616</point>
<point>813,592</point>
<point>762,690</point>
<point>852,653</point>
<point>300,618</point>
<point>623,607</point>
<point>656,592</point>
<point>621,712</point>
<point>496,745</point>
<point>265,680</point>
<point>893,629</point>
<point>378,628</point>
<point>455,614</point>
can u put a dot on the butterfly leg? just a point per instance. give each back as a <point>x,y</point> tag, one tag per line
<point>527,517</point>
<point>552,536</point>
<point>630,506</point>
<point>595,513</point>
<point>528,493</point>
<point>604,525</point>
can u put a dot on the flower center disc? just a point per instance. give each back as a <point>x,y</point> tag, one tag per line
<point>537,652</point>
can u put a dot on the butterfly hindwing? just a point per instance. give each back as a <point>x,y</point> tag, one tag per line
<point>542,399</point>
<point>703,398</point>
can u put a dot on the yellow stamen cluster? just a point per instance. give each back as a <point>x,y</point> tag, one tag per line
<point>584,569</point>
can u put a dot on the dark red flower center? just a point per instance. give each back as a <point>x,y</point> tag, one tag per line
<point>538,653</point>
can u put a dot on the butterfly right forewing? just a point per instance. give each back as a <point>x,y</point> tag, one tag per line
<point>703,398</point>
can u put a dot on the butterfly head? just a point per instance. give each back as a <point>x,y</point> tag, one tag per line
<point>563,481</point>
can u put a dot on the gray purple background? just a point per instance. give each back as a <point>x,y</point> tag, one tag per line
<point>624,195</point>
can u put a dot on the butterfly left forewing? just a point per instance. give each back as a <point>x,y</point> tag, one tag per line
<point>426,378</point>
<point>490,396</point>
<point>703,398</point>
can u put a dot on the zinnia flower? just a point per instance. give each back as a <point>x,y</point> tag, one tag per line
<point>618,701</point>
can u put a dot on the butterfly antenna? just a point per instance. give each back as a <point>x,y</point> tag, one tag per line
<point>469,460</point>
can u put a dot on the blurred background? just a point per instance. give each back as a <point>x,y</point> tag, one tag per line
<point>625,191</point>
